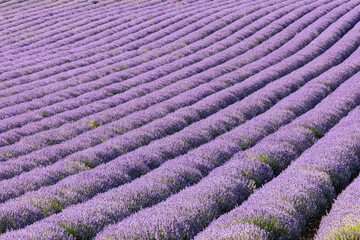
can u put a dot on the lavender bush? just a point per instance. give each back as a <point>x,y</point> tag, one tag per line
<point>343,220</point>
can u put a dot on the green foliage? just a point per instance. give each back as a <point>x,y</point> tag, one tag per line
<point>246,144</point>
<point>349,232</point>
<point>122,130</point>
<point>269,224</point>
<point>93,123</point>
<point>44,114</point>
<point>85,232</point>
<point>268,159</point>
<point>139,93</point>
<point>8,154</point>
<point>119,67</point>
<point>56,206</point>
<point>253,182</point>
<point>317,133</point>
<point>102,139</point>
<point>112,91</point>
<point>88,163</point>
<point>50,142</point>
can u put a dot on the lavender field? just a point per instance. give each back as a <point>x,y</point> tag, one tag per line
<point>172,119</point>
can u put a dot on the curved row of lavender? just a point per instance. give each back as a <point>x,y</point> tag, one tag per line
<point>343,220</point>
<point>153,119</point>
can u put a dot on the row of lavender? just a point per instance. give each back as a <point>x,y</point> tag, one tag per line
<point>182,137</point>
<point>343,221</point>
